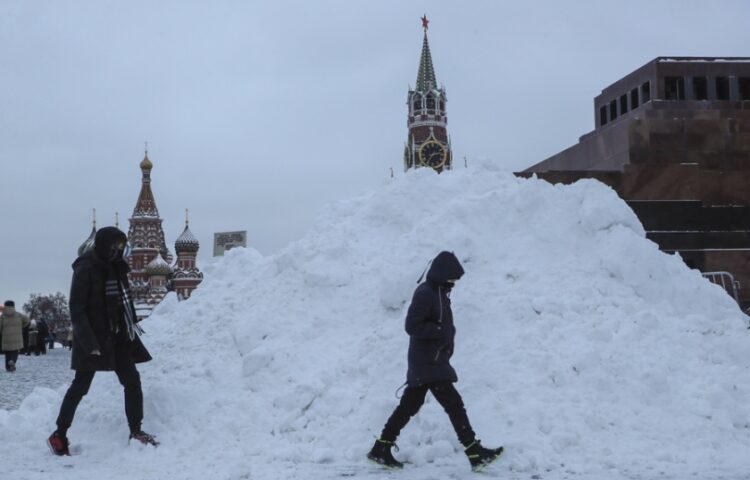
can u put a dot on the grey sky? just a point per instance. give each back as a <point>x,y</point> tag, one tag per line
<point>257,114</point>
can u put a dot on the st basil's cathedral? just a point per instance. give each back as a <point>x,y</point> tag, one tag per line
<point>152,271</point>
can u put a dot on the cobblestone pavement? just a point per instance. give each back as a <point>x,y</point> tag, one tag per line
<point>51,370</point>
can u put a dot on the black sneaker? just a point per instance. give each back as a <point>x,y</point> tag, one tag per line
<point>143,437</point>
<point>381,454</point>
<point>58,444</point>
<point>480,457</point>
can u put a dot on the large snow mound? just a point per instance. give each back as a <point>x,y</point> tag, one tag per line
<point>581,347</point>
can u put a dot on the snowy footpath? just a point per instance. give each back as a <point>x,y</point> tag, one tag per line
<point>50,370</point>
<point>581,348</point>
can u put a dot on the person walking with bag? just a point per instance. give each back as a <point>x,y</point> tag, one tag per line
<point>106,334</point>
<point>429,323</point>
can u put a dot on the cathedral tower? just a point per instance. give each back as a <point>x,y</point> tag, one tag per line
<point>428,143</point>
<point>186,276</point>
<point>146,238</point>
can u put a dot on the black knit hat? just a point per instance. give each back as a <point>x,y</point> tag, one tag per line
<point>10,303</point>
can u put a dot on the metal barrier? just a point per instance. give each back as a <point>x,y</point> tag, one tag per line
<point>726,281</point>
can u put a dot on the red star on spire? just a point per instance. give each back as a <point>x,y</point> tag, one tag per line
<point>425,22</point>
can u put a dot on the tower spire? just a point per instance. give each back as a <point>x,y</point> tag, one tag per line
<point>426,75</point>
<point>146,205</point>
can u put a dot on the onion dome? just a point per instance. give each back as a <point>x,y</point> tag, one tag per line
<point>158,266</point>
<point>88,244</point>
<point>146,163</point>
<point>186,242</point>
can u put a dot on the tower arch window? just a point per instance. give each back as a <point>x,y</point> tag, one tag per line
<point>417,102</point>
<point>430,102</point>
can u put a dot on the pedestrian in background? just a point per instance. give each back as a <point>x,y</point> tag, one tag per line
<point>33,333</point>
<point>12,324</point>
<point>41,339</point>
<point>25,336</point>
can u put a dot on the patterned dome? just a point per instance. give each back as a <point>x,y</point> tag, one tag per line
<point>186,242</point>
<point>158,266</point>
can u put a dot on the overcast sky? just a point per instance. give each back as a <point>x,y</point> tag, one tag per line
<point>258,114</point>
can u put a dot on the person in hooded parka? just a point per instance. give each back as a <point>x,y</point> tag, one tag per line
<point>105,334</point>
<point>429,323</point>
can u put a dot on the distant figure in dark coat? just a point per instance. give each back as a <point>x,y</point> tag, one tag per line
<point>429,323</point>
<point>106,334</point>
<point>42,335</point>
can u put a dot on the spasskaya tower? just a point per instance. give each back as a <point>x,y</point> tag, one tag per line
<point>428,143</point>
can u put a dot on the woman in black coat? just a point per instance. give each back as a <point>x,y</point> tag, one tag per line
<point>429,323</point>
<point>105,334</point>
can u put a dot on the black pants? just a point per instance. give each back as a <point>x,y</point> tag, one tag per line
<point>445,393</point>
<point>10,356</point>
<point>130,380</point>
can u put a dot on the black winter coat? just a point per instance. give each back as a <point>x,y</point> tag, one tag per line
<point>429,323</point>
<point>88,314</point>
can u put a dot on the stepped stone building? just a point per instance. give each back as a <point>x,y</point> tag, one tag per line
<point>673,139</point>
<point>428,143</point>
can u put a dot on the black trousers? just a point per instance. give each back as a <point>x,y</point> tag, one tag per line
<point>413,399</point>
<point>10,356</point>
<point>129,378</point>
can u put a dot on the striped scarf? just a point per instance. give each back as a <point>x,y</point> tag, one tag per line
<point>120,306</point>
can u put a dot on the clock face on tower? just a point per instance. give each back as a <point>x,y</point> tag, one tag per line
<point>432,154</point>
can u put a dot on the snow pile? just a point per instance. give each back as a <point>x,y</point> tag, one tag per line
<point>580,347</point>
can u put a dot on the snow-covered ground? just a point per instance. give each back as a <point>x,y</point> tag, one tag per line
<point>584,350</point>
<point>48,370</point>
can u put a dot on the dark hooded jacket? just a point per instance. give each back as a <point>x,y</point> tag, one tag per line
<point>90,316</point>
<point>429,323</point>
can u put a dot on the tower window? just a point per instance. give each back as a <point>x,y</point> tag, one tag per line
<point>634,98</point>
<point>700,88</point>
<point>613,109</point>
<point>674,88</point>
<point>430,102</point>
<point>623,103</point>
<point>646,92</point>
<point>417,103</point>
<point>744,84</point>
<point>602,115</point>
<point>722,88</point>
